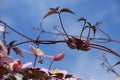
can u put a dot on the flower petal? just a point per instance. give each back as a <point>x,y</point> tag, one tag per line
<point>26,64</point>
<point>5,59</point>
<point>4,50</point>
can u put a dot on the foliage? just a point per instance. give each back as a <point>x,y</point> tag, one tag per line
<point>10,67</point>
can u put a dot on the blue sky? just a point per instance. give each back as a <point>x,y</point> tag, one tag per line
<point>23,14</point>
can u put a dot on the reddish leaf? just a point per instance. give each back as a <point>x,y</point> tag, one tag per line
<point>49,13</point>
<point>67,10</point>
<point>18,51</point>
<point>52,9</point>
<point>81,19</point>
<point>11,43</point>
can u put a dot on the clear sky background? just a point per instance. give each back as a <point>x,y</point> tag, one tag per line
<point>23,14</point>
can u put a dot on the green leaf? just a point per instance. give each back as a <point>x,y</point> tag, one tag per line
<point>18,51</point>
<point>49,13</point>
<point>67,10</point>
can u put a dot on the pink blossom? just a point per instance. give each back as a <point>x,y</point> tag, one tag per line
<point>18,65</point>
<point>5,60</point>
<point>3,50</point>
<point>38,52</point>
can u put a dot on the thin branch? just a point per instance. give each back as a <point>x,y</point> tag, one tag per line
<point>15,30</point>
<point>91,38</point>
<point>110,51</point>
<point>62,25</point>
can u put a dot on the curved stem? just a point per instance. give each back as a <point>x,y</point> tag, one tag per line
<point>82,30</point>
<point>62,25</point>
<point>22,43</point>
<point>51,64</point>
<point>110,51</point>
<point>104,33</point>
<point>88,34</point>
<point>91,38</point>
<point>100,48</point>
<point>35,61</point>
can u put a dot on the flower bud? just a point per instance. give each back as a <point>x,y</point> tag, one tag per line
<point>17,65</point>
<point>59,57</point>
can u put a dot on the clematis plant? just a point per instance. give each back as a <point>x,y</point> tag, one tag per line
<point>39,53</point>
<point>9,67</point>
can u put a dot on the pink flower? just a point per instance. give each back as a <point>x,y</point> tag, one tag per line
<point>3,49</point>
<point>38,52</point>
<point>18,65</point>
<point>5,60</point>
<point>59,57</point>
